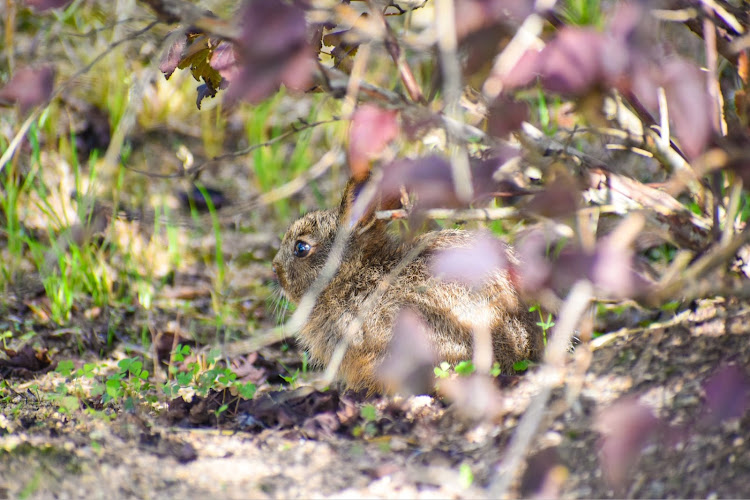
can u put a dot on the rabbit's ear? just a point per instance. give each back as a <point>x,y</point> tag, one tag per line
<point>366,215</point>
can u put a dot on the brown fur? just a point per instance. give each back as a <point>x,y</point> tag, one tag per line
<point>451,310</point>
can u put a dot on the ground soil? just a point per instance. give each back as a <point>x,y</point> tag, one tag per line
<point>648,413</point>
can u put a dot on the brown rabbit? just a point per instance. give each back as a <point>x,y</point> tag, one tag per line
<point>371,253</point>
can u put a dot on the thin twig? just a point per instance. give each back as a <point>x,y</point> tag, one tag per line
<point>550,373</point>
<point>394,50</point>
<point>253,344</point>
<point>106,27</point>
<point>712,259</point>
<point>180,11</point>
<point>471,214</point>
<point>445,24</point>
<point>526,37</point>
<point>714,89</point>
<point>664,132</point>
<point>192,171</point>
<point>733,207</point>
<point>724,14</point>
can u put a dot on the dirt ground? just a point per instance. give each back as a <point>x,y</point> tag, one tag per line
<point>658,413</point>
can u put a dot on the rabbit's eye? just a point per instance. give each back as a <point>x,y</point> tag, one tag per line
<point>301,249</point>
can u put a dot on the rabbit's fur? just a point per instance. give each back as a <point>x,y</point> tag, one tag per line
<point>451,310</point>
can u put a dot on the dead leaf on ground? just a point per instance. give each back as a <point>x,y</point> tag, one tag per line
<point>26,363</point>
<point>28,87</point>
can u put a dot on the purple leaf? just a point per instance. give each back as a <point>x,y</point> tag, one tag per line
<point>525,72</point>
<point>475,396</point>
<point>727,393</point>
<point>690,107</point>
<point>473,15</point>
<point>371,129</point>
<point>542,478</point>
<point>571,63</point>
<point>609,267</point>
<point>430,178</point>
<point>172,57</point>
<point>506,116</point>
<point>408,366</point>
<point>626,427</point>
<point>272,49</point>
<point>29,87</point>
<point>473,264</point>
<point>560,199</point>
<point>576,61</point>
<point>43,5</point>
<point>224,60</point>
<point>534,268</point>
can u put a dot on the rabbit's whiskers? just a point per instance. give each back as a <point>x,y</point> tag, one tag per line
<point>280,303</point>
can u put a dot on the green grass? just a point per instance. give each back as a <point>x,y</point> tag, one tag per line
<point>281,161</point>
<point>583,13</point>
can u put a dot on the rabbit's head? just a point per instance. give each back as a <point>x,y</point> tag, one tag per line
<point>304,251</point>
<point>308,241</point>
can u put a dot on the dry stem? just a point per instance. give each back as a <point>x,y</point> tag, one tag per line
<point>551,373</point>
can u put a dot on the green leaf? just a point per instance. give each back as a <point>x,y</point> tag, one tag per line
<point>465,368</point>
<point>466,476</point>
<point>369,413</point>
<point>69,404</point>
<point>135,368</point>
<point>521,366</point>
<point>89,370</point>
<point>247,391</point>
<point>171,390</point>
<point>65,367</point>
<point>114,388</point>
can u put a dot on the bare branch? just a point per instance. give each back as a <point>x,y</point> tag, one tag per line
<point>720,254</point>
<point>551,373</point>
<point>196,169</point>
<point>394,50</point>
<point>445,22</point>
<point>472,214</point>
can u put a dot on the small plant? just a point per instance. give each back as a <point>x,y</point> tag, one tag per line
<point>465,475</point>
<point>5,336</point>
<point>129,385</point>
<point>462,368</point>
<point>443,370</point>
<point>545,324</point>
<point>130,382</point>
<point>465,368</point>
<point>292,378</point>
<point>367,428</point>
<point>521,366</point>
<point>203,375</point>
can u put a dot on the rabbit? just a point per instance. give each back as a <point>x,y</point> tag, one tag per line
<point>371,253</point>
